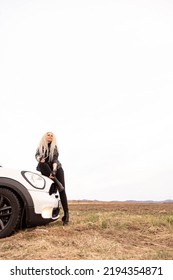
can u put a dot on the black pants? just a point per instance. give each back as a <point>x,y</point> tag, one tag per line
<point>46,170</point>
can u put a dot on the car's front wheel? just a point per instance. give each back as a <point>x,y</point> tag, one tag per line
<point>10,212</point>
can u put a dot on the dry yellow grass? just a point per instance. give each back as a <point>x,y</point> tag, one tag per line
<point>99,231</point>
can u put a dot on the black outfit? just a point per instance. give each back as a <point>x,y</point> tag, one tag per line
<point>46,169</point>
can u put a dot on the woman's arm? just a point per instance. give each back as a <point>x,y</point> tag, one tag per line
<point>56,163</point>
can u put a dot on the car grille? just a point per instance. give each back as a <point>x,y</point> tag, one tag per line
<point>53,189</point>
<point>55,212</point>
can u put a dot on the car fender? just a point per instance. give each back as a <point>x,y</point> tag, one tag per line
<point>18,188</point>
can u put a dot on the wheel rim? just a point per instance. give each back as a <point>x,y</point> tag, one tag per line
<point>5,211</point>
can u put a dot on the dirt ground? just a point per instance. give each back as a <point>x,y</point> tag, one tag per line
<point>98,231</point>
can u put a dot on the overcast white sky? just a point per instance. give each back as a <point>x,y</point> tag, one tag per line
<point>99,74</point>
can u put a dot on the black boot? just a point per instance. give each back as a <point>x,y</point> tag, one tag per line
<point>65,218</point>
<point>59,185</point>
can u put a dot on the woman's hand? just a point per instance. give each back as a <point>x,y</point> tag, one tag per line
<point>52,174</point>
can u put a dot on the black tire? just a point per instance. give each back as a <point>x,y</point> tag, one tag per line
<point>10,212</point>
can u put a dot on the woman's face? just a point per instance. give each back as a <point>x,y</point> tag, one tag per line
<point>49,137</point>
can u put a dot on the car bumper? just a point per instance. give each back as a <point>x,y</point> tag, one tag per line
<point>33,219</point>
<point>46,208</point>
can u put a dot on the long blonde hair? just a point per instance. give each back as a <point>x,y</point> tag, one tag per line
<point>43,146</point>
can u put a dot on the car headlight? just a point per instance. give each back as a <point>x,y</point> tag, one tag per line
<point>36,180</point>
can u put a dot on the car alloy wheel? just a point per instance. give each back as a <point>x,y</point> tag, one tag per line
<point>10,212</point>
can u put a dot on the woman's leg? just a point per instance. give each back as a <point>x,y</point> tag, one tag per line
<point>63,196</point>
<point>45,170</point>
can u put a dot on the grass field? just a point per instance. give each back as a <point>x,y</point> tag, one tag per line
<point>99,231</point>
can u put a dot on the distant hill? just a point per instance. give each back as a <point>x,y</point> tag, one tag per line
<point>128,201</point>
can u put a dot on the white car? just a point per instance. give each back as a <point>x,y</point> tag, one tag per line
<point>27,199</point>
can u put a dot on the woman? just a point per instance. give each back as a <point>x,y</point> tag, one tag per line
<point>49,165</point>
